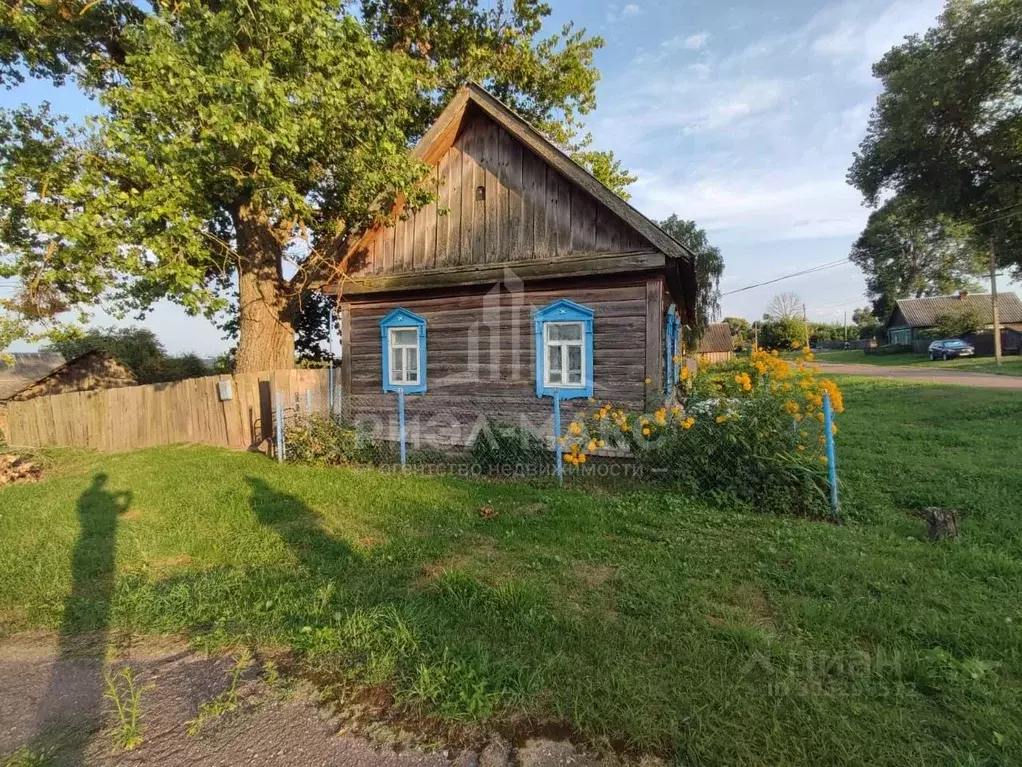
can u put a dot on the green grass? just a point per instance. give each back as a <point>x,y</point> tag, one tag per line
<point>644,620</point>
<point>1011,365</point>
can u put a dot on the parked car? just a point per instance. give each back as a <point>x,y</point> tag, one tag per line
<point>951,348</point>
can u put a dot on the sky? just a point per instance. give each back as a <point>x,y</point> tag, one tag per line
<point>742,116</point>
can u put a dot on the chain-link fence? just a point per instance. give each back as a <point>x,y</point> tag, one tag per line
<point>759,430</point>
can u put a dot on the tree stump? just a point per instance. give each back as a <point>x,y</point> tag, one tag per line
<point>943,523</point>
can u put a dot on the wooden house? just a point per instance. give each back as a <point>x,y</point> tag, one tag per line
<point>715,344</point>
<point>526,279</point>
<point>914,319</point>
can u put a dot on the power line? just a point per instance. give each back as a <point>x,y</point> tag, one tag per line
<point>811,270</point>
<point>993,213</point>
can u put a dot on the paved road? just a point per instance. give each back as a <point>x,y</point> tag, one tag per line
<point>52,703</point>
<point>927,375</point>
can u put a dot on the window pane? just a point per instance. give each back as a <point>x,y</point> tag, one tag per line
<point>397,367</point>
<point>404,336</point>
<point>554,364</point>
<point>412,364</point>
<point>575,364</point>
<point>566,332</point>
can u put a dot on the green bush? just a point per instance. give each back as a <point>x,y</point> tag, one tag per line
<point>749,431</point>
<point>501,447</point>
<point>324,442</point>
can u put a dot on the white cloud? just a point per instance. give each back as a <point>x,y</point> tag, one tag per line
<point>616,13</point>
<point>687,42</point>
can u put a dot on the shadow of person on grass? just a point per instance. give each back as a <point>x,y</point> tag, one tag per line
<point>321,554</point>
<point>71,708</point>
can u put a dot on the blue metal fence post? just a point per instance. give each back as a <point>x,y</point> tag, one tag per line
<point>828,425</point>
<point>558,448</point>
<point>401,421</point>
<point>280,428</point>
<point>330,389</point>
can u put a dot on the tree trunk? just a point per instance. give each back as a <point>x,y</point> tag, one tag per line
<point>266,336</point>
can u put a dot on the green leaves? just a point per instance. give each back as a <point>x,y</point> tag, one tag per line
<point>947,130</point>
<point>709,266</point>
<point>241,131</point>
<point>907,251</point>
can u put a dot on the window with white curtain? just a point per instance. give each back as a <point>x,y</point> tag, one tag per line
<point>404,356</point>
<point>565,354</point>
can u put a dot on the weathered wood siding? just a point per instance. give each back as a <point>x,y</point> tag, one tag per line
<point>480,356</point>
<point>134,417</point>
<point>496,202</point>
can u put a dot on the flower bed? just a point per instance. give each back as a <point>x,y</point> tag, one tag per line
<point>749,430</point>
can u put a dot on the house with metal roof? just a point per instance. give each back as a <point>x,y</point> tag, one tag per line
<point>912,317</point>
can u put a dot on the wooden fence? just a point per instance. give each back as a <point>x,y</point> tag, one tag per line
<point>170,413</point>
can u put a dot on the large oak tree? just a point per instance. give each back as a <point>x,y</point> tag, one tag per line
<point>247,141</point>
<point>946,131</point>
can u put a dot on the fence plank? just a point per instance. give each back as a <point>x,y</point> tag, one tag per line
<point>161,414</point>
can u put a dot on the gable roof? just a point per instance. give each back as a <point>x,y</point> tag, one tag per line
<point>60,368</point>
<point>439,137</point>
<point>27,369</point>
<point>472,98</point>
<point>923,312</point>
<point>716,338</point>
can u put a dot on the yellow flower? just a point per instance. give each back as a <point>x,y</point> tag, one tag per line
<point>688,423</point>
<point>684,373</point>
<point>747,386</point>
<point>819,417</point>
<point>592,400</point>
<point>582,459</point>
<point>648,381</point>
<point>800,448</point>
<point>823,459</point>
<point>575,428</point>
<point>600,443</point>
<point>833,428</point>
<point>803,434</point>
<point>560,440</point>
<point>592,445</point>
<point>721,418</point>
<point>645,432</point>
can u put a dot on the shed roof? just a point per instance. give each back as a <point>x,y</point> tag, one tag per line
<point>716,338</point>
<point>27,369</point>
<point>923,312</point>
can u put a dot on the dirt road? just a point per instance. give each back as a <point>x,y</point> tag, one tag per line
<point>926,375</point>
<point>54,711</point>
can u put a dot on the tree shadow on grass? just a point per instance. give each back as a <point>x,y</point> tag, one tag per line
<point>70,709</point>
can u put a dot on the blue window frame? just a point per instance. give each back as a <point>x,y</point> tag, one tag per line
<point>564,350</point>
<point>671,348</point>
<point>403,336</point>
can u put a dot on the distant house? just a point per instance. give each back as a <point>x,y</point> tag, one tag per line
<point>913,316</point>
<point>716,344</point>
<point>39,374</point>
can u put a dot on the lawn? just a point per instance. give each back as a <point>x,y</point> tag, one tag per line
<point>643,620</point>
<point>1010,365</point>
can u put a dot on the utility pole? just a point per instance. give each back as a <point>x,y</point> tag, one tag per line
<point>755,337</point>
<point>993,298</point>
<point>805,319</point>
<point>846,326</point>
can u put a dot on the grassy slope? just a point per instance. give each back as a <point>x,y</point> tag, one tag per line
<point>1011,366</point>
<point>644,618</point>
